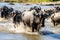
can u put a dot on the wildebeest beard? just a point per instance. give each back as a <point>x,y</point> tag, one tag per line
<point>36,17</point>
<point>35,24</point>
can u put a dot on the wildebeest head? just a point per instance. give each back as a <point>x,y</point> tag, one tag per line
<point>31,9</point>
<point>37,9</point>
<point>5,8</point>
<point>58,8</point>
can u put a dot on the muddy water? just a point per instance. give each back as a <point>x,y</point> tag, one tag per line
<point>8,36</point>
<point>49,32</point>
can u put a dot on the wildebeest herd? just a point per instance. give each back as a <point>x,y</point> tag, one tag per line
<point>33,18</point>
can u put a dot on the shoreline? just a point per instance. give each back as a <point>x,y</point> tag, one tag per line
<point>44,3</point>
<point>55,3</point>
<point>40,3</point>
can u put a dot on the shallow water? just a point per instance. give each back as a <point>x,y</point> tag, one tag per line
<point>48,32</point>
<point>8,36</point>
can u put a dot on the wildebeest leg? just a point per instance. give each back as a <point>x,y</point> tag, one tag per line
<point>24,25</point>
<point>39,26</point>
<point>14,25</point>
<point>34,26</point>
<point>5,15</point>
<point>33,29</point>
<point>18,24</point>
<point>43,22</point>
<point>53,22</point>
<point>2,15</point>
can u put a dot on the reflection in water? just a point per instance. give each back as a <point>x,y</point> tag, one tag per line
<point>32,37</point>
<point>7,36</point>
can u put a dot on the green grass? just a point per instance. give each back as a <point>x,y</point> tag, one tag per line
<point>38,1</point>
<point>45,0</point>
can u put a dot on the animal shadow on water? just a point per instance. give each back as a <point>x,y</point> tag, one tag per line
<point>51,34</point>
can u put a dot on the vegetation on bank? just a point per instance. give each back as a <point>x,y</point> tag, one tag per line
<point>55,0</point>
<point>30,1</point>
<point>38,1</point>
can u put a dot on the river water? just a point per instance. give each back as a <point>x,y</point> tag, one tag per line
<point>49,32</point>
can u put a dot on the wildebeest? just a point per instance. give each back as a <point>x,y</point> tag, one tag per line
<point>31,19</point>
<point>34,18</point>
<point>5,13</point>
<point>55,19</point>
<point>17,18</point>
<point>57,8</point>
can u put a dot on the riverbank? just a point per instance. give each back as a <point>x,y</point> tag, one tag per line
<point>43,3</point>
<point>55,3</point>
